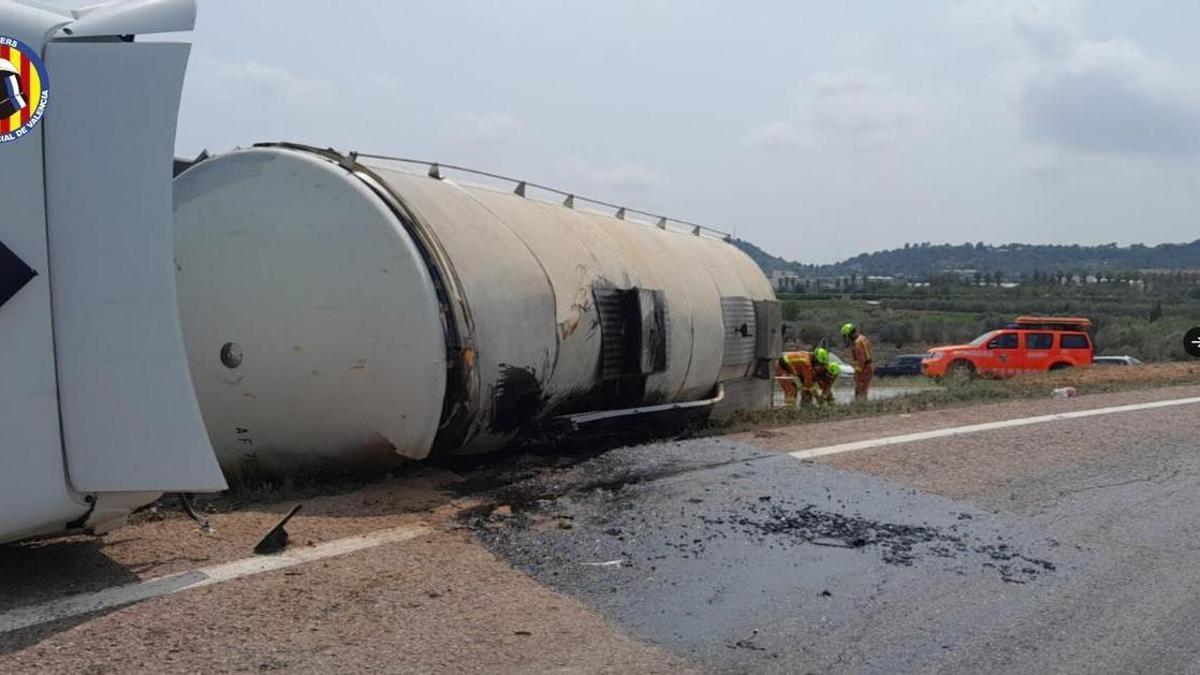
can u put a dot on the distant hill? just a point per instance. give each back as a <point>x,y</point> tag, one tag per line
<point>1012,260</point>
<point>767,262</point>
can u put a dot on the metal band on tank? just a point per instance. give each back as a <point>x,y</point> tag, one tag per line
<point>461,402</point>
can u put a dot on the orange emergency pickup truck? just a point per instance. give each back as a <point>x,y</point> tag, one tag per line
<point>1029,344</point>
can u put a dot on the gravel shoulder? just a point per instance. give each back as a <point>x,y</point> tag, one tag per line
<point>165,541</point>
<point>1014,469</point>
<point>437,604</point>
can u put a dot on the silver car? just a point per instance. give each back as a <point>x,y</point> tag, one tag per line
<point>1116,361</point>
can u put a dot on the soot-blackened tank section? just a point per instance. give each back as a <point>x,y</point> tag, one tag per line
<point>518,399</point>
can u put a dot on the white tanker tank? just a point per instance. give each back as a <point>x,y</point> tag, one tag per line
<point>341,311</point>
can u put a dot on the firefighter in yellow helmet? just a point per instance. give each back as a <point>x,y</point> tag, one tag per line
<point>796,368</point>
<point>863,357</point>
<point>809,374</point>
<point>827,372</point>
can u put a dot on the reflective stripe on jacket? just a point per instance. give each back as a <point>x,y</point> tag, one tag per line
<point>799,365</point>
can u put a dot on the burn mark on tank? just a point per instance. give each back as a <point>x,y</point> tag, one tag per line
<point>568,327</point>
<point>517,399</point>
<point>581,306</point>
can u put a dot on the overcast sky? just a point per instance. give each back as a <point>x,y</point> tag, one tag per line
<point>818,130</point>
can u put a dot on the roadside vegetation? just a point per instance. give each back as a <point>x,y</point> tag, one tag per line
<point>963,391</point>
<point>1148,324</point>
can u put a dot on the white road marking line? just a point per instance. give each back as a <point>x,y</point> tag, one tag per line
<point>987,426</point>
<point>65,608</point>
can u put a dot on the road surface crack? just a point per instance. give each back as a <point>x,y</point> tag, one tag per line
<point>1158,477</point>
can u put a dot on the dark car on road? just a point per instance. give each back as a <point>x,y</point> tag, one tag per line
<point>905,364</point>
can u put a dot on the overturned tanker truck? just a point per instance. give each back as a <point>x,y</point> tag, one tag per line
<point>346,311</point>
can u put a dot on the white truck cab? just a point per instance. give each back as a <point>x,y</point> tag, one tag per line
<point>98,415</point>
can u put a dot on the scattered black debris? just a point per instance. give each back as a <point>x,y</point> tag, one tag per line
<point>276,538</point>
<point>780,523</point>
<point>899,544</point>
<point>823,528</point>
<point>532,500</point>
<point>748,643</point>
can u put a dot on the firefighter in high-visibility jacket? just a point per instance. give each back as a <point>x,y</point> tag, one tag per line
<point>806,374</point>
<point>826,378</point>
<point>864,359</point>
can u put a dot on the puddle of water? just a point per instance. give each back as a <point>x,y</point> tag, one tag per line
<point>843,394</point>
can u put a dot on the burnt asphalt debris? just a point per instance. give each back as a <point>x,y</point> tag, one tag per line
<point>606,488</point>
<point>766,525</point>
<point>899,544</point>
<point>751,561</point>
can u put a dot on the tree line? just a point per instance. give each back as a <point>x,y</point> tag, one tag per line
<point>1013,261</point>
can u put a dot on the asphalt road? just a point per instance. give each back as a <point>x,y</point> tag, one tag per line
<point>1069,545</point>
<point>1065,546</point>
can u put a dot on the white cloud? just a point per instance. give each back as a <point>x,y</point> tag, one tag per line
<point>855,45</point>
<point>233,81</point>
<point>627,178</point>
<point>1041,24</point>
<point>1050,28</point>
<point>256,102</point>
<point>487,128</point>
<point>1103,96</point>
<point>854,108</point>
<point>780,135</point>
<point>609,182</point>
<point>1078,95</point>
